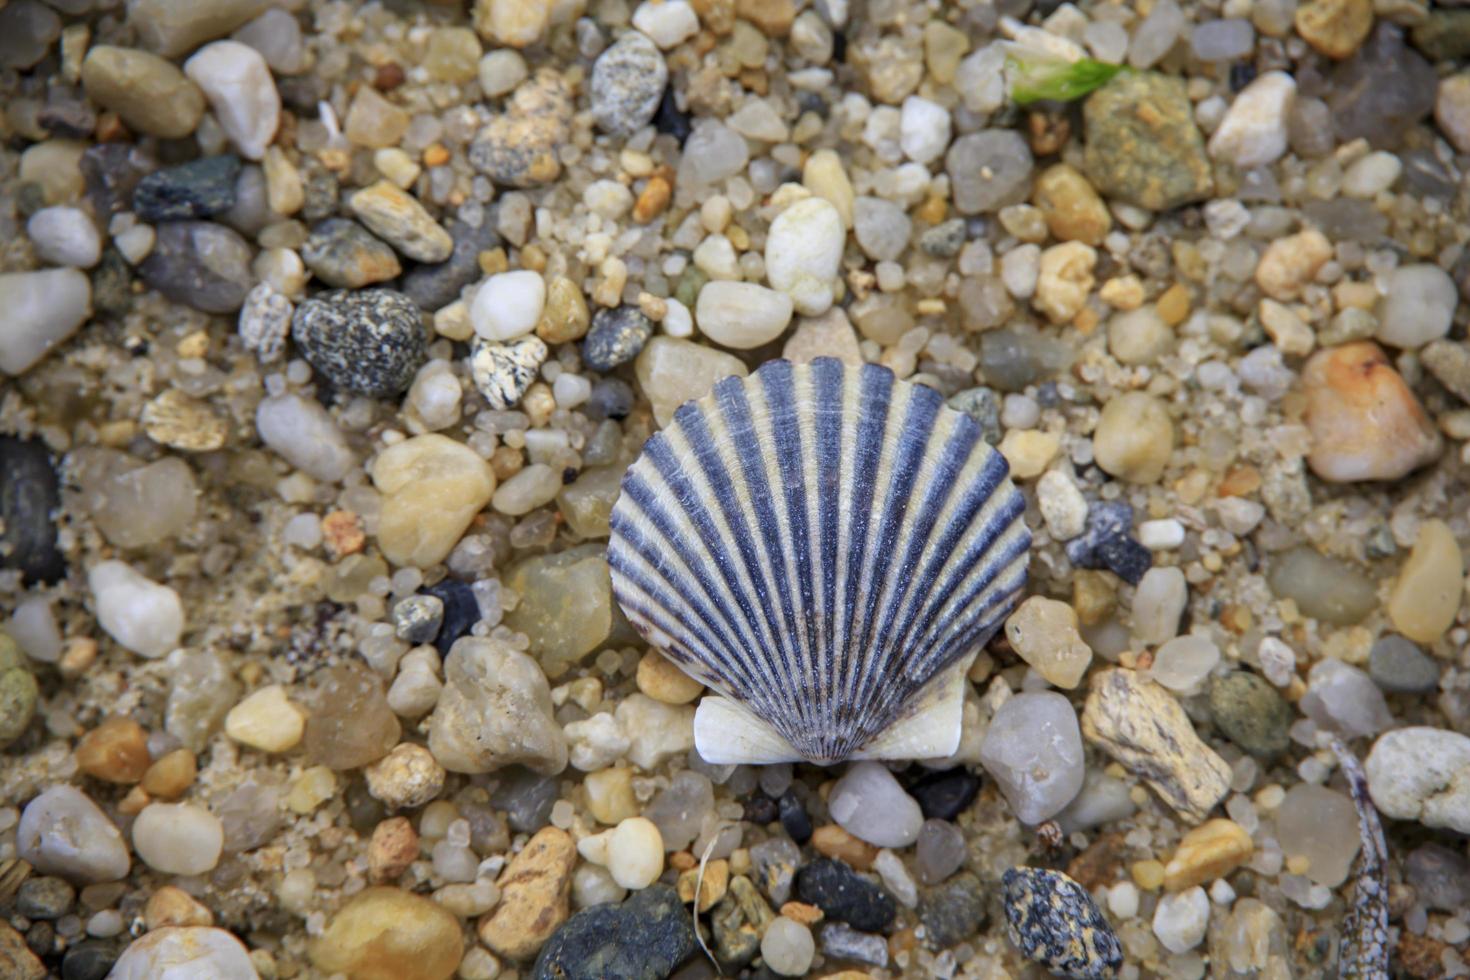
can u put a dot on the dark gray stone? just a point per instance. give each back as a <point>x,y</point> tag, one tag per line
<point>29,496</point>
<point>615,338</point>
<point>44,897</point>
<point>843,895</point>
<point>738,922</point>
<point>945,795</point>
<point>1054,922</point>
<point>526,798</point>
<point>197,189</point>
<point>1397,665</point>
<point>944,241</point>
<point>1382,90</point>
<point>436,286</point>
<point>644,938</point>
<point>369,342</point>
<point>1106,543</point>
<point>952,912</point>
<point>1440,876</point>
<point>201,265</point>
<point>611,398</point>
<point>90,959</point>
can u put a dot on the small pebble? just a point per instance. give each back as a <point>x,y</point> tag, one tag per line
<point>788,948</point>
<point>238,84</point>
<point>43,309</point>
<point>627,82</point>
<point>1033,749</point>
<point>172,952</point>
<point>1418,308</point>
<point>868,803</point>
<point>616,337</point>
<point>138,613</point>
<point>399,219</point>
<point>1180,919</point>
<point>178,838</point>
<point>197,189</point>
<point>65,236</point>
<point>266,720</point>
<point>368,342</point>
<point>1422,773</point>
<point>803,251</point>
<point>1053,921</point>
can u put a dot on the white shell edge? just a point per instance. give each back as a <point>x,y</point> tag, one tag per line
<point>728,733</point>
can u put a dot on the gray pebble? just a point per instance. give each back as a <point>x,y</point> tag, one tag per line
<point>417,618</point>
<point>370,342</point>
<point>1440,876</point>
<point>944,241</point>
<point>1054,922</point>
<point>44,897</point>
<point>1398,666</point>
<point>628,80</point>
<point>434,287</point>
<point>615,338</point>
<point>1251,713</point>
<point>953,912</point>
<point>982,405</point>
<point>344,254</point>
<point>112,172</point>
<point>201,265</point>
<point>843,942</point>
<point>197,189</point>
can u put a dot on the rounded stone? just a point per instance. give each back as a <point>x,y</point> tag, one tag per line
<point>370,342</point>
<point>1134,437</point>
<point>627,82</point>
<point>62,832</point>
<point>178,838</point>
<point>788,948</point>
<point>616,337</point>
<point>1251,713</point>
<point>388,932</point>
<point>185,953</point>
<point>1033,748</point>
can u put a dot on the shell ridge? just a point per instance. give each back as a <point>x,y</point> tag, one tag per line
<point>703,522</point>
<point>827,375</point>
<point>711,464</point>
<point>989,589</point>
<point>917,576</point>
<point>738,414</point>
<point>915,429</point>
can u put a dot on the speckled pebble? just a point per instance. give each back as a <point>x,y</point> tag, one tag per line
<point>1053,920</point>
<point>616,337</point>
<point>370,342</point>
<point>503,372</point>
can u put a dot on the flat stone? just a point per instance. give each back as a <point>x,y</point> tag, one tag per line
<point>1398,666</point>
<point>62,832</point>
<point>1033,749</point>
<point>29,496</point>
<point>1142,145</point>
<point>845,896</point>
<point>197,189</point>
<point>989,170</point>
<point>399,219</point>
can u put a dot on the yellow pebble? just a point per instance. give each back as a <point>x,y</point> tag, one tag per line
<point>1209,851</point>
<point>1426,596</point>
<point>1148,875</point>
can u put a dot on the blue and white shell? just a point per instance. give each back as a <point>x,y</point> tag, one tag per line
<point>826,547</point>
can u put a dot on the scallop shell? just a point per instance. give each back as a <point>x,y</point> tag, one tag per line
<point>827,548</point>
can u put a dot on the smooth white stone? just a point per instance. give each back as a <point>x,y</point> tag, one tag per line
<point>304,435</point>
<point>509,305</point>
<point>803,252</point>
<point>137,612</point>
<point>65,236</point>
<point>238,84</point>
<point>868,803</point>
<point>42,309</point>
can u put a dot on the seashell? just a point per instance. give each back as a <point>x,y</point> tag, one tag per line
<point>827,548</point>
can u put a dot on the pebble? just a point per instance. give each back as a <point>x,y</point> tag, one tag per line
<point>773,865</point>
<point>1159,601</point>
<point>1400,667</point>
<point>1211,850</point>
<point>1365,422</point>
<point>742,315</point>
<point>788,947</point>
<point>238,84</point>
<point>1142,146</point>
<point>43,309</point>
<point>178,838</point>
<point>266,720</point>
<point>504,372</point>
<point>276,34</point>
<point>1290,263</point>
<point>1063,507</point>
<point>989,170</point>
<point>1141,726</point>
<point>1053,921</point>
<point>1105,543</point>
<point>672,372</point>
<point>349,723</point>
<point>1452,110</point>
<point>627,83</point>
<point>302,433</point>
<point>712,153</point>
<point>435,286</point>
<point>44,897</point>
<point>495,711</point>
<point>534,896</point>
<point>149,93</point>
<point>1251,713</point>
<point>30,495</point>
<point>1384,88</point>
<point>632,852</point>
<point>65,236</point>
<point>660,679</point>
<point>181,953</point>
<point>417,618</point>
<point>1449,363</point>
<point>433,487</point>
<point>1322,587</point>
<point>953,912</point>
<point>924,129</point>
<point>62,832</point>
<point>647,936</point>
<point>946,794</point>
<point>868,803</point>
<point>1073,210</point>
<point>1423,774</point>
<point>1043,632</point>
<point>1134,438</point>
<point>383,931</point>
<point>1419,307</point>
<point>1320,825</point>
<point>1440,876</point>
<point>668,23</point>
<point>178,421</point>
<point>534,486</point>
<point>1335,28</point>
<point>1253,132</point>
<point>509,305</point>
<point>1426,596</point>
<point>406,778</point>
<point>845,943</point>
<point>1343,699</point>
<point>369,342</point>
<point>843,895</point>
<point>197,189</point>
<point>116,751</point>
<point>658,731</point>
<point>141,615</point>
<point>342,253</point>
<point>1033,749</point>
<point>939,852</point>
<point>566,610</point>
<point>200,264</point>
<point>616,337</point>
<point>679,811</point>
<point>803,252</point>
<point>399,219</point>
<point>18,692</point>
<point>1180,919</point>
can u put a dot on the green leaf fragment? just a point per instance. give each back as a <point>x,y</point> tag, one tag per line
<point>1035,78</point>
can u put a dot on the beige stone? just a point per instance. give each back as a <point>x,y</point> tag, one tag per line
<point>400,220</point>
<point>1212,850</point>
<point>1134,437</point>
<point>150,94</point>
<point>610,795</point>
<point>1043,632</point>
<point>266,720</point>
<point>518,23</point>
<point>565,317</point>
<point>1365,422</point>
<point>386,932</point>
<point>534,896</point>
<point>1064,281</point>
<point>1335,28</point>
<point>170,906</point>
<point>661,680</point>
<point>1029,451</point>
<point>1073,209</point>
<point>1427,594</point>
<point>1289,263</point>
<point>432,488</point>
<point>672,372</point>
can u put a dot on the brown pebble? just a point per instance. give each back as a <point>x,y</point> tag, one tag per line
<point>1421,957</point>
<point>806,914</point>
<point>1099,864</point>
<point>133,803</point>
<point>77,657</point>
<point>436,155</point>
<point>652,201</point>
<point>116,751</point>
<point>832,841</point>
<point>1048,131</point>
<point>388,76</point>
<point>171,775</point>
<point>17,962</point>
<point>506,462</point>
<point>170,906</point>
<point>393,847</point>
<point>683,861</point>
<point>342,531</point>
<point>1173,304</point>
<point>1240,481</point>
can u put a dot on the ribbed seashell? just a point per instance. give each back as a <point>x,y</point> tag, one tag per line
<point>827,548</point>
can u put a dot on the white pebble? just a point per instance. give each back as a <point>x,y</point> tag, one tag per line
<point>65,236</point>
<point>666,22</point>
<point>803,251</point>
<point>924,129</point>
<point>1180,920</point>
<point>178,838</point>
<point>741,314</point>
<point>1033,749</point>
<point>238,84</point>
<point>1253,132</point>
<point>1238,515</point>
<point>33,626</point>
<point>42,309</point>
<point>1184,662</point>
<point>1371,175</point>
<point>62,832</point>
<point>1419,306</point>
<point>868,803</point>
<point>1278,661</point>
<point>501,71</point>
<point>1158,602</point>
<point>1123,900</point>
<point>571,390</point>
<point>301,431</point>
<point>532,487</point>
<point>896,878</point>
<point>509,305</point>
<point>185,953</point>
<point>137,612</point>
<point>1161,535</point>
<point>788,947</point>
<point>136,243</point>
<point>633,852</point>
<point>678,322</point>
<point>1063,507</point>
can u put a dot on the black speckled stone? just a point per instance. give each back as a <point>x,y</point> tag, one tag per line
<point>615,338</point>
<point>644,938</point>
<point>794,818</point>
<point>611,398</point>
<point>953,912</point>
<point>945,795</point>
<point>90,959</point>
<point>436,286</point>
<point>461,611</point>
<point>841,894</point>
<point>760,809</point>
<point>29,496</point>
<point>196,189</point>
<point>1251,713</point>
<point>1106,543</point>
<point>369,342</point>
<point>1054,922</point>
